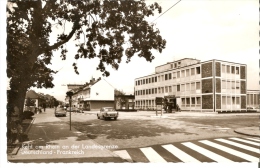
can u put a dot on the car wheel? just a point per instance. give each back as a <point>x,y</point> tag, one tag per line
<point>105,118</point>
<point>98,117</point>
<point>115,118</point>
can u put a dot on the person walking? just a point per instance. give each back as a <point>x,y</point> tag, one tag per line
<point>44,106</point>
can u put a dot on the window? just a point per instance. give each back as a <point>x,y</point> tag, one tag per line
<point>187,72</point>
<point>228,69</point>
<point>171,66</point>
<point>175,65</point>
<point>162,89</point>
<point>237,100</point>
<point>143,81</point>
<point>143,92</point>
<point>237,85</point>
<point>197,70</point>
<point>182,73</point>
<point>162,77</point>
<point>166,89</point>
<point>187,101</point>
<point>232,69</point>
<point>198,100</point>
<point>174,88</point>
<point>155,90</point>
<point>233,85</point>
<point>193,100</point>
<point>170,76</point>
<point>149,92</point>
<point>146,91</point>
<point>152,90</point>
<point>159,90</point>
<point>146,81</point>
<point>223,68</point>
<point>152,79</point>
<point>192,86</point>
<point>178,88</point>
<point>178,74</point>
<point>237,70</point>
<point>136,83</point>
<point>149,80</point>
<point>174,75</point>
<point>183,101</point>
<point>224,99</point>
<point>224,84</point>
<point>166,76</point>
<point>170,89</point>
<point>155,79</point>
<point>159,79</point>
<point>187,87</point>
<point>192,71</point>
<point>197,85</point>
<point>182,87</point>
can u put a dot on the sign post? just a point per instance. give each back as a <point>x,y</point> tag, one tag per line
<point>70,94</point>
<point>158,101</point>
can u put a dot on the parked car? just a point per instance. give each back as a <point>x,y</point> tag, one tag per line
<point>107,113</point>
<point>74,109</point>
<point>251,109</point>
<point>60,112</point>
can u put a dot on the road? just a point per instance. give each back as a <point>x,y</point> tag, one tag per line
<point>145,137</point>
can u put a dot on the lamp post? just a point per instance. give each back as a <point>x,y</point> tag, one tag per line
<point>69,94</point>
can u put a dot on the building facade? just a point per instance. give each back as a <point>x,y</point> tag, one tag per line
<point>253,98</point>
<point>93,95</point>
<point>213,85</point>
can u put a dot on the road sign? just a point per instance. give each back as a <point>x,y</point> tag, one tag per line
<point>159,100</point>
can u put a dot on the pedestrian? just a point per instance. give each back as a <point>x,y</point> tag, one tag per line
<point>44,106</point>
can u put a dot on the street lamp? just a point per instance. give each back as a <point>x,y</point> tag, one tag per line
<point>69,94</point>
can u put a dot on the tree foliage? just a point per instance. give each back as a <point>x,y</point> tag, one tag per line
<point>100,27</point>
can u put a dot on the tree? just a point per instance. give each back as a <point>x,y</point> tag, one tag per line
<point>100,28</point>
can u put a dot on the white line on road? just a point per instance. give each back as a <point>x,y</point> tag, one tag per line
<point>231,151</point>
<point>180,154</point>
<point>254,139</point>
<point>152,155</point>
<point>207,153</point>
<point>124,154</point>
<point>242,140</point>
<point>239,145</point>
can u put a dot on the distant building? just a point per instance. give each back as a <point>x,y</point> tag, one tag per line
<point>124,102</point>
<point>93,95</point>
<point>213,85</point>
<point>253,98</point>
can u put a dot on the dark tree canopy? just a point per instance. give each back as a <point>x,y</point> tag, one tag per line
<point>102,28</point>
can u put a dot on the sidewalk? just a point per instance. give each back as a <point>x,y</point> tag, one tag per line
<point>69,147</point>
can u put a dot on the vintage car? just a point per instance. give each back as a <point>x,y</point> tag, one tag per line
<point>60,112</point>
<point>251,109</point>
<point>74,109</point>
<point>107,113</point>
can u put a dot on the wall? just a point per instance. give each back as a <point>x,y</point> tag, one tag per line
<point>101,91</point>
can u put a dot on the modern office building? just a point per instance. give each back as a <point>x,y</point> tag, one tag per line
<point>209,86</point>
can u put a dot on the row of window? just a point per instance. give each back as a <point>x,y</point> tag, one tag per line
<point>169,89</point>
<point>169,76</point>
<point>230,69</point>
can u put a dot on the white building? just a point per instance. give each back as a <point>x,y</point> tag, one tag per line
<point>212,85</point>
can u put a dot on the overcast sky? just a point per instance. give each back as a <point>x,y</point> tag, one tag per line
<point>202,29</point>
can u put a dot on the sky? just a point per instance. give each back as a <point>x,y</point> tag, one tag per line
<point>202,29</point>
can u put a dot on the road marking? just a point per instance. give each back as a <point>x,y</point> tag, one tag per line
<point>254,139</point>
<point>231,151</point>
<point>242,140</point>
<point>152,155</point>
<point>124,154</point>
<point>180,154</point>
<point>239,145</point>
<point>206,152</point>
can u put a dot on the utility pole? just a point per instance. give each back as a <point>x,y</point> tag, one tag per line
<point>69,94</point>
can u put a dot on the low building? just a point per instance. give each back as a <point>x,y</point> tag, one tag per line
<point>93,95</point>
<point>124,102</point>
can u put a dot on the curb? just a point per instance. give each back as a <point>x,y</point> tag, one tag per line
<point>16,149</point>
<point>246,134</point>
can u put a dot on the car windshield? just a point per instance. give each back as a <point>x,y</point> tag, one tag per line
<point>108,109</point>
